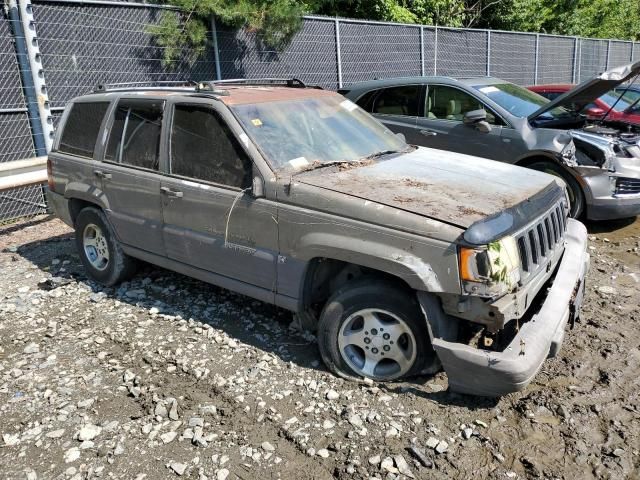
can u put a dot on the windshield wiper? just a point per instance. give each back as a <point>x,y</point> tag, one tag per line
<point>380,154</point>
<point>318,165</point>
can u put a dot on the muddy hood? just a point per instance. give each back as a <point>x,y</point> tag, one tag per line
<point>585,93</point>
<point>488,198</point>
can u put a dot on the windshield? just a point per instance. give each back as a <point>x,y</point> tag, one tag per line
<point>611,98</point>
<point>309,132</point>
<point>519,101</point>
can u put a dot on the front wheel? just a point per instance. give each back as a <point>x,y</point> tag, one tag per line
<point>374,329</point>
<point>576,197</point>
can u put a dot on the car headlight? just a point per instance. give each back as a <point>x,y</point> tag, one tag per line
<point>491,270</point>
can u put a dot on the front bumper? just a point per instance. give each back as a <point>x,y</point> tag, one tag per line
<point>602,203</point>
<point>487,373</point>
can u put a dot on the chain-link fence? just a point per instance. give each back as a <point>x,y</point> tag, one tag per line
<point>86,43</point>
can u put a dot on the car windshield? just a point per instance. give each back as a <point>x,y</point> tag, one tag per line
<point>307,133</point>
<point>611,98</point>
<point>519,101</point>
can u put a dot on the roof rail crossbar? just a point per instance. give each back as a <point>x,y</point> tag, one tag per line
<point>289,82</point>
<point>104,87</point>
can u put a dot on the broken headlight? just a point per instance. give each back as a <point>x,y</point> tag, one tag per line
<point>491,270</point>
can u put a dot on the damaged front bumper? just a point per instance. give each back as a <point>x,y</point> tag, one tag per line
<point>489,373</point>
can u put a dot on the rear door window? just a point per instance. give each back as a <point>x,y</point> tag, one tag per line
<point>135,134</point>
<point>81,128</point>
<point>403,100</point>
<point>204,148</point>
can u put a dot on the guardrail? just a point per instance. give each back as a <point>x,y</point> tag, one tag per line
<point>22,173</point>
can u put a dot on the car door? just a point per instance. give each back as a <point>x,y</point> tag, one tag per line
<point>130,173</point>
<point>211,221</point>
<point>398,108</point>
<point>442,124</point>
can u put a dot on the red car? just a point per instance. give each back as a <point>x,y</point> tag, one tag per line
<point>624,110</point>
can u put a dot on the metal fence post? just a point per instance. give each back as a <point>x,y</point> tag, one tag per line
<point>488,53</point>
<point>608,54</point>
<point>535,67</point>
<point>216,51</point>
<point>422,50</point>
<point>435,52</point>
<point>37,72</point>
<point>576,61</point>
<point>338,54</point>
<point>633,48</point>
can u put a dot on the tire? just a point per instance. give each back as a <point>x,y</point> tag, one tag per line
<point>576,196</point>
<point>99,250</point>
<point>351,334</point>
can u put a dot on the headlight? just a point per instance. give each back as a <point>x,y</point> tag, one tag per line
<point>491,270</point>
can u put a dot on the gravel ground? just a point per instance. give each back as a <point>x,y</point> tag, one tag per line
<point>168,377</point>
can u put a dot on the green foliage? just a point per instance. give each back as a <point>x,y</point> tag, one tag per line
<point>277,21</point>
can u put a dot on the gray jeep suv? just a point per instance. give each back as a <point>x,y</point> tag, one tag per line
<point>401,258</point>
<point>495,119</point>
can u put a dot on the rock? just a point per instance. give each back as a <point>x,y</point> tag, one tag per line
<point>481,424</point>
<point>160,410</point>
<point>391,432</point>
<point>328,424</point>
<point>178,468</point>
<point>355,420</point>
<point>387,465</point>
<point>154,310</point>
<point>173,412</point>
<point>466,433</point>
<point>607,290</point>
<point>618,452</point>
<point>375,460</point>
<point>403,466</point>
<point>196,422</point>
<point>89,432</point>
<point>222,474</point>
<point>10,440</point>
<point>332,395</point>
<point>432,442</point>
<point>55,433</point>
<point>31,348</point>
<point>323,452</point>
<point>85,403</point>
<point>420,455</point>
<point>168,437</point>
<point>128,376</point>
<point>72,455</point>
<point>442,446</point>
<point>267,447</point>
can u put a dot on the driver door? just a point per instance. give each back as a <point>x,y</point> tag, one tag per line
<point>442,125</point>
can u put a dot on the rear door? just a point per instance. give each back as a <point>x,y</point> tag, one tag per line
<point>442,124</point>
<point>129,173</point>
<point>210,219</point>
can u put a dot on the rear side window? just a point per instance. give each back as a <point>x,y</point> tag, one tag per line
<point>366,101</point>
<point>135,133</point>
<point>204,148</point>
<point>81,128</point>
<point>404,100</point>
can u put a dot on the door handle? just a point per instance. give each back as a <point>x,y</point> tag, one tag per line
<point>101,174</point>
<point>171,193</point>
<point>428,133</point>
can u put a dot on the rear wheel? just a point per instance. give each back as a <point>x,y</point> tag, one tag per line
<point>374,329</point>
<point>576,197</point>
<point>99,250</point>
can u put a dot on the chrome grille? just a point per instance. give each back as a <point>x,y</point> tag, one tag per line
<point>627,186</point>
<point>540,240</point>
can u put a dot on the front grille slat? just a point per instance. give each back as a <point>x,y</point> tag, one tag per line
<point>539,242</point>
<point>627,186</point>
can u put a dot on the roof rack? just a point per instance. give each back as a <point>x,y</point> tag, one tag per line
<point>209,86</point>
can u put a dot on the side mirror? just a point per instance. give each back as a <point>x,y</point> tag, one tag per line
<point>594,112</point>
<point>474,116</point>
<point>257,187</point>
<point>483,126</point>
<point>401,137</point>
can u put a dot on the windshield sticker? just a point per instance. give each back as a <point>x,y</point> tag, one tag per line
<point>256,122</point>
<point>348,105</point>
<point>245,139</point>
<point>299,162</point>
<point>489,89</point>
